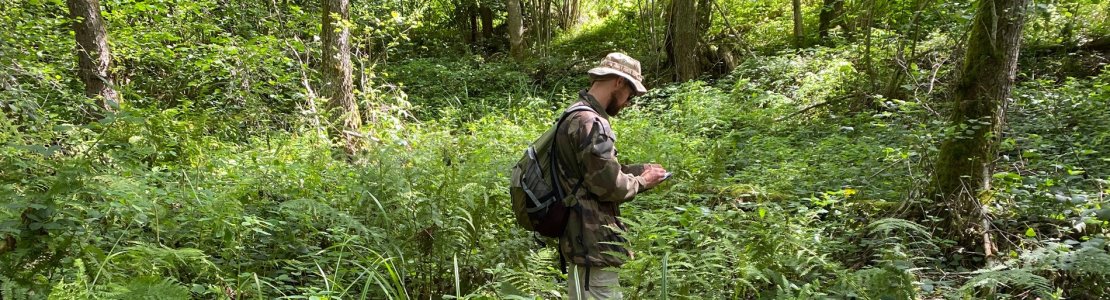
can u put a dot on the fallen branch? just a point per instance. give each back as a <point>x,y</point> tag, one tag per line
<point>808,108</point>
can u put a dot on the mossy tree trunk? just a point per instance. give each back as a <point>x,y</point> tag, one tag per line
<point>94,59</point>
<point>961,181</point>
<point>336,70</point>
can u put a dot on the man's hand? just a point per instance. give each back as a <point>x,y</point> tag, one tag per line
<point>653,175</point>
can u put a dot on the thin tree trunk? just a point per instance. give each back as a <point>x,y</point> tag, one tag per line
<point>472,21</point>
<point>546,23</point>
<point>462,22</point>
<point>798,30</point>
<point>868,66</point>
<point>516,30</point>
<point>901,61</point>
<point>962,177</point>
<point>575,12</point>
<point>655,46</point>
<point>336,70</point>
<point>93,56</point>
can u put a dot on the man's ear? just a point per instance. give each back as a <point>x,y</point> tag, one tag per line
<point>620,82</point>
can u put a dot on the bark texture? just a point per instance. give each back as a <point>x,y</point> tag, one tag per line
<point>336,70</point>
<point>568,13</point>
<point>799,31</point>
<point>516,30</point>
<point>93,55</point>
<point>683,39</point>
<point>961,182</point>
<point>485,14</point>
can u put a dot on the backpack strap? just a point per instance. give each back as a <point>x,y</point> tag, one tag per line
<point>577,206</point>
<point>555,150</point>
<point>573,109</point>
<point>555,141</point>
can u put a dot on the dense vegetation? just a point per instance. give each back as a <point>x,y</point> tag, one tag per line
<point>803,161</point>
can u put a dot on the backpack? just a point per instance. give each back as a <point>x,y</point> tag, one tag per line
<point>537,196</point>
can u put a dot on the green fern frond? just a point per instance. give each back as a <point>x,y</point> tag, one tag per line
<point>164,256</point>
<point>1086,260</point>
<point>150,288</point>
<point>534,281</point>
<point>994,282</point>
<point>888,226</point>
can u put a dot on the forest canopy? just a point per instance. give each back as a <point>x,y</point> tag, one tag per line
<point>337,149</point>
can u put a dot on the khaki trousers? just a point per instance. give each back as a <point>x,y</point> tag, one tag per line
<point>603,284</point>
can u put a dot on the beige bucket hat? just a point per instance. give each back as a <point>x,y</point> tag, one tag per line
<point>621,64</point>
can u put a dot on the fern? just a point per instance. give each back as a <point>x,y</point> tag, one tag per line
<point>1086,260</point>
<point>900,242</point>
<point>147,257</point>
<point>889,226</point>
<point>994,283</point>
<point>150,288</point>
<point>12,290</point>
<point>530,282</point>
<point>78,288</point>
<point>885,282</point>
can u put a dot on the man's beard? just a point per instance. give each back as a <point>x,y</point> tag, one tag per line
<point>613,108</point>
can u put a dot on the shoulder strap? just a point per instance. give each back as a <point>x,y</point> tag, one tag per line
<point>571,110</point>
<point>555,143</point>
<point>577,207</point>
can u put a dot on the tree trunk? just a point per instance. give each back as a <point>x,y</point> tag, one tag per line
<point>336,71</point>
<point>516,30</point>
<point>868,67</point>
<point>472,21</point>
<point>485,13</point>
<point>568,13</point>
<point>466,20</point>
<point>901,62</point>
<point>575,12</point>
<point>798,30</point>
<point>93,56</point>
<point>684,39</point>
<point>963,170</point>
<point>545,23</point>
<point>830,11</point>
<point>705,11</point>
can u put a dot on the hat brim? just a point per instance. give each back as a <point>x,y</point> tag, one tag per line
<point>602,71</point>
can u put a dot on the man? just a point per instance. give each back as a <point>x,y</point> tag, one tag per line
<point>586,149</point>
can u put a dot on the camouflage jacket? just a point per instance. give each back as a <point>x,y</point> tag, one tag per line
<point>586,146</point>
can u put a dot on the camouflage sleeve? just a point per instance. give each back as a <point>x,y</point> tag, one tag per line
<point>604,175</point>
<point>634,170</point>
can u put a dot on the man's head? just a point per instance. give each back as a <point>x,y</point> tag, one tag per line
<point>615,81</point>
<point>613,91</point>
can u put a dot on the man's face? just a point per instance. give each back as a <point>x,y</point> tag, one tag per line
<point>622,97</point>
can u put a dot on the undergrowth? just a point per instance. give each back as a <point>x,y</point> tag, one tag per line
<point>788,179</point>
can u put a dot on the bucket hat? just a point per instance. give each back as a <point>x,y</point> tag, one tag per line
<point>622,65</point>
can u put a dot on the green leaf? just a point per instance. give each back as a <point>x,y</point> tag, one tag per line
<point>1030,232</point>
<point>1103,214</point>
